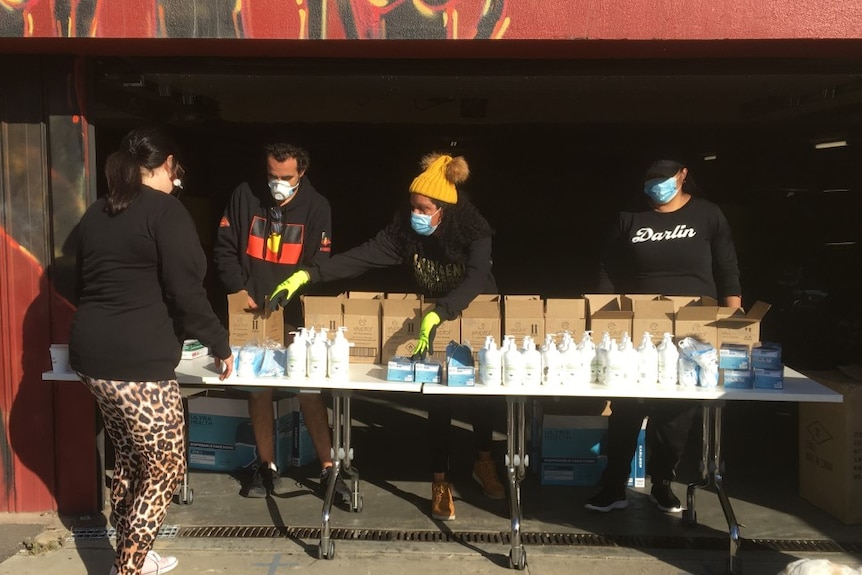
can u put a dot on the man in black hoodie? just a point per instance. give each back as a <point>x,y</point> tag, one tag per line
<point>264,236</point>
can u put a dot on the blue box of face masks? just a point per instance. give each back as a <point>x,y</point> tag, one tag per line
<point>766,355</point>
<point>427,371</point>
<point>399,368</point>
<point>768,378</point>
<point>733,356</point>
<point>737,378</point>
<point>459,365</point>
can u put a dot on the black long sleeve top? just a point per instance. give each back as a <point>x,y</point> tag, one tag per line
<point>142,293</point>
<point>245,255</point>
<point>454,279</point>
<point>689,251</point>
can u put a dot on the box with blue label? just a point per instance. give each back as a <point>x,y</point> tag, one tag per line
<point>459,365</point>
<point>768,378</point>
<point>637,475</point>
<point>737,378</point>
<point>577,471</point>
<point>733,356</point>
<point>766,355</point>
<point>579,436</point>
<point>302,450</point>
<point>399,368</point>
<point>221,437</point>
<point>427,371</point>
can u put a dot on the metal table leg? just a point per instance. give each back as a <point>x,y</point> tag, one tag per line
<point>516,464</point>
<point>712,472</point>
<point>342,455</point>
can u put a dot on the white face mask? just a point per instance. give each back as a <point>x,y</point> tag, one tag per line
<point>281,190</point>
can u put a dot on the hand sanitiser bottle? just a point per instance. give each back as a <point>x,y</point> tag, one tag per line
<point>297,355</point>
<point>647,361</point>
<point>570,359</point>
<point>668,358</point>
<point>630,360</point>
<point>513,364</point>
<point>615,372</point>
<point>491,364</point>
<point>339,356</point>
<point>552,362</point>
<point>317,356</point>
<point>602,358</point>
<point>587,350</point>
<point>532,362</point>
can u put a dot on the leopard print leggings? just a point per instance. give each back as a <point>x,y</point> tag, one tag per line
<point>145,422</point>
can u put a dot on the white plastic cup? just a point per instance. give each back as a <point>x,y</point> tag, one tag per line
<point>60,357</point>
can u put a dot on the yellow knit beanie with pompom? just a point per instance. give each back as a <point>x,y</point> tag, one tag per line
<point>440,174</point>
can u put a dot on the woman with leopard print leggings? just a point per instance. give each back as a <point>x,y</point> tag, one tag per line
<point>141,270</point>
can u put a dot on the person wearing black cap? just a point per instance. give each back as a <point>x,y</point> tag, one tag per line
<point>672,242</point>
<point>447,244</point>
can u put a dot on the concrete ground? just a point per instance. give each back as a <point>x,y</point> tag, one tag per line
<point>222,532</point>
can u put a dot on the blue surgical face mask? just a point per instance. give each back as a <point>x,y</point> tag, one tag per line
<point>659,190</point>
<point>281,190</point>
<point>421,223</point>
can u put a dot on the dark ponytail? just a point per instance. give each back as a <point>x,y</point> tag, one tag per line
<point>140,149</point>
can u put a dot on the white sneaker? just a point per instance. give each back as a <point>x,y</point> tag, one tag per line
<point>155,564</point>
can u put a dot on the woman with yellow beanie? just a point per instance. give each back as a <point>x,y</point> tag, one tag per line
<point>447,243</point>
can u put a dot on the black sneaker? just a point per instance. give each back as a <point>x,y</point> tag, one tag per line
<point>265,482</point>
<point>664,498</point>
<point>343,494</point>
<point>607,500</point>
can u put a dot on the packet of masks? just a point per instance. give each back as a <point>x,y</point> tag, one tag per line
<point>250,359</point>
<point>273,362</point>
<point>706,358</point>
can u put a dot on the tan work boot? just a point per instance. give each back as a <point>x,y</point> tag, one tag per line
<point>485,474</point>
<point>442,504</point>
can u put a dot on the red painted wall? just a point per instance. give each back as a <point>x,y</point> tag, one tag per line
<point>415,19</point>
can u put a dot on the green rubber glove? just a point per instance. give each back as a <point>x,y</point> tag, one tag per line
<point>284,291</point>
<point>427,329</point>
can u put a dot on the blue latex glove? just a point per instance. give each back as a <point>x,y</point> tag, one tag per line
<point>284,291</point>
<point>427,328</point>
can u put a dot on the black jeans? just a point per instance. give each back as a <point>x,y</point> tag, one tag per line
<point>440,427</point>
<point>667,433</point>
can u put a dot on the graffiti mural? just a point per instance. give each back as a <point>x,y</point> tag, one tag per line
<point>302,19</point>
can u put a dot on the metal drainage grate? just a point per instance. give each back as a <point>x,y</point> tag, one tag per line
<point>527,538</point>
<point>81,533</point>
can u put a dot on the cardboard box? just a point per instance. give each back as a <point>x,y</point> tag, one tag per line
<point>221,437</point>
<point>734,326</point>
<point>322,311</point>
<point>448,330</point>
<point>697,321</point>
<point>252,325</point>
<point>523,315</point>
<point>479,319</point>
<point>653,314</point>
<point>830,449</point>
<point>566,315</point>
<point>362,320</point>
<point>610,313</point>
<point>401,317</point>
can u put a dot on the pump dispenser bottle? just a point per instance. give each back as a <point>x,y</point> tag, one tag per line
<point>339,356</point>
<point>552,362</point>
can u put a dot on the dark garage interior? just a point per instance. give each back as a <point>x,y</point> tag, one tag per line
<point>554,147</point>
